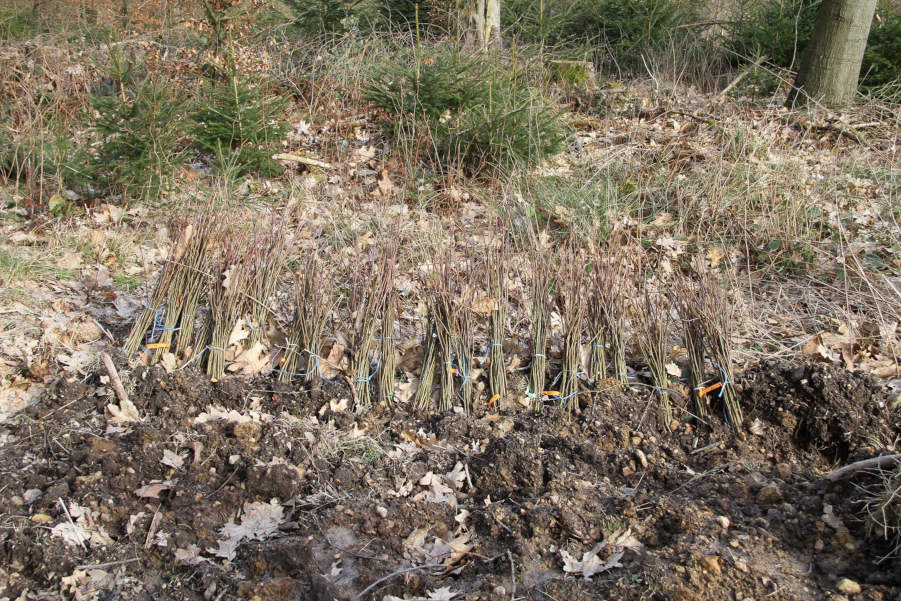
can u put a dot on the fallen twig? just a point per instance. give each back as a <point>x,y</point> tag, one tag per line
<point>362,593</point>
<point>109,564</point>
<point>735,81</point>
<point>114,379</point>
<point>863,465</point>
<point>294,158</point>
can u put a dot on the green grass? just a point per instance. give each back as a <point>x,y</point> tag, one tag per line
<point>18,264</point>
<point>16,25</point>
<point>126,282</point>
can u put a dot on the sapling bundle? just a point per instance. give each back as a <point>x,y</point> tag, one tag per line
<point>610,285</point>
<point>446,331</point>
<point>689,308</point>
<point>388,366</point>
<point>189,276</point>
<point>541,288</point>
<point>267,255</point>
<point>193,292</point>
<point>365,300</point>
<point>881,502</point>
<point>466,333</point>
<point>312,304</point>
<point>153,312</point>
<point>597,323</point>
<point>570,303</point>
<point>597,356</point>
<point>165,328</point>
<point>228,301</point>
<point>427,371</point>
<point>497,290</point>
<point>716,321</point>
<point>652,313</point>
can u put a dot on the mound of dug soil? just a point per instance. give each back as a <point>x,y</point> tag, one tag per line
<point>254,490</point>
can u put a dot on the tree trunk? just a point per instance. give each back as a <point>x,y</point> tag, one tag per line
<point>482,23</point>
<point>472,16</point>
<point>492,23</point>
<point>832,60</point>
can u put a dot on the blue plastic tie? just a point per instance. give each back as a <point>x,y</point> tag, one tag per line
<point>370,376</point>
<point>726,381</point>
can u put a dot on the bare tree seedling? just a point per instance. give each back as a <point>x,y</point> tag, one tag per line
<point>497,290</point>
<point>313,301</point>
<point>154,311</point>
<point>228,300</point>
<point>652,313</point>
<point>541,290</point>
<point>267,255</point>
<point>609,284</point>
<point>689,308</point>
<point>716,321</point>
<point>570,303</point>
<point>388,367</point>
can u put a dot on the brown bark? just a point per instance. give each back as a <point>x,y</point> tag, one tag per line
<point>482,23</point>
<point>832,60</point>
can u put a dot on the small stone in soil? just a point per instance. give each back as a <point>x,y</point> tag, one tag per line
<point>769,494</point>
<point>642,458</point>
<point>711,563</point>
<point>848,586</point>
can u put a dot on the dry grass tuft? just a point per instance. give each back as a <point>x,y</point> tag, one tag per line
<point>882,508</point>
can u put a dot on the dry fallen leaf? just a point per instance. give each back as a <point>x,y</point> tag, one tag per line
<point>190,555</point>
<point>386,186</point>
<point>437,490</point>
<point>123,413</point>
<point>80,528</point>
<point>484,306</point>
<point>172,459</point>
<point>251,361</point>
<point>154,489</point>
<point>591,563</point>
<point>258,522</point>
<point>335,406</point>
<point>757,428</point>
<point>215,412</point>
<point>169,362</point>
<point>334,363</point>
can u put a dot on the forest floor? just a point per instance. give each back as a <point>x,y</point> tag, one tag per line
<point>250,488</point>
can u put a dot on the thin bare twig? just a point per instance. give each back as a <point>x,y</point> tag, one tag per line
<point>860,466</point>
<point>372,586</point>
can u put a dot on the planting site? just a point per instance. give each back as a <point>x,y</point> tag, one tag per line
<point>379,300</point>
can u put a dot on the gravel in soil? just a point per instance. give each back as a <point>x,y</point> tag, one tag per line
<point>251,489</point>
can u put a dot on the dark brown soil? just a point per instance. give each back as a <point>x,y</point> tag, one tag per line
<point>720,516</point>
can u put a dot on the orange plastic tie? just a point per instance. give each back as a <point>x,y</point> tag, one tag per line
<point>551,393</point>
<point>710,389</point>
<point>157,345</point>
<point>493,400</point>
